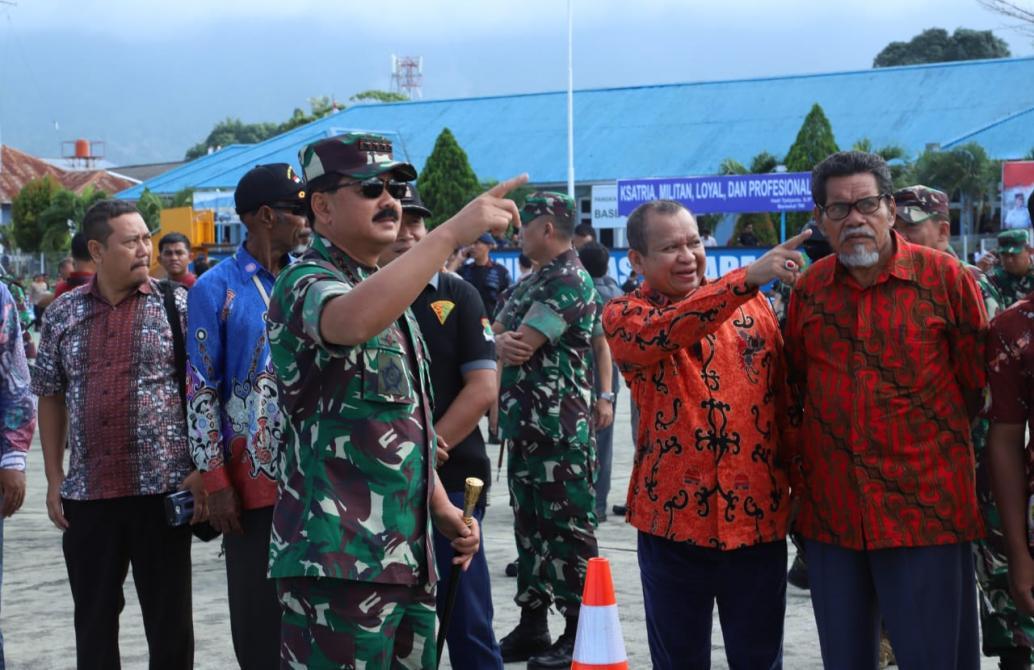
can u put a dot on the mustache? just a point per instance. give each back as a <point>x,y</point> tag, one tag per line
<point>848,233</point>
<point>386,214</point>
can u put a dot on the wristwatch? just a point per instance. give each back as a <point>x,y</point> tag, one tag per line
<point>607,395</point>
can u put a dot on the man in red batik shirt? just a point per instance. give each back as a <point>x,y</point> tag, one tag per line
<point>885,344</point>
<point>708,491</point>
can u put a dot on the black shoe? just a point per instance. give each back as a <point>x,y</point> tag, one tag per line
<point>559,655</point>
<point>798,575</point>
<point>1015,659</point>
<point>511,569</point>
<point>620,510</point>
<point>530,637</point>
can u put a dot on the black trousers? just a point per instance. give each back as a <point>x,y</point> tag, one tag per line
<point>106,537</point>
<point>254,605</point>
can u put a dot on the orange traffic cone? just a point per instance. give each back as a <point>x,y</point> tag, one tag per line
<point>598,644</point>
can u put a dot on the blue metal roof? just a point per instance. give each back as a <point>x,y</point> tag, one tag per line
<point>674,129</point>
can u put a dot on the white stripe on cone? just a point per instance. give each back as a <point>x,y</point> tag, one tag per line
<point>599,641</point>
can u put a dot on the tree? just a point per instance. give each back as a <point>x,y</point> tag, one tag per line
<point>894,155</point>
<point>813,144</point>
<point>182,198</point>
<point>31,201</point>
<point>763,163</point>
<point>232,131</point>
<point>447,182</point>
<point>64,215</point>
<point>374,95</point>
<point>965,173</point>
<point>150,206</point>
<point>764,229</point>
<point>935,45</point>
<point>1022,13</point>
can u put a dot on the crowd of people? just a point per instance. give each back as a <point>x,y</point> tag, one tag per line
<point>315,399</point>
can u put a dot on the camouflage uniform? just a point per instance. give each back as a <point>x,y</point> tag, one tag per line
<point>351,547</point>
<point>1010,287</point>
<point>544,412</point>
<point>1004,629</point>
<point>26,315</point>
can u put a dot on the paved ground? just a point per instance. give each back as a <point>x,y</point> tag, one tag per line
<point>37,605</point>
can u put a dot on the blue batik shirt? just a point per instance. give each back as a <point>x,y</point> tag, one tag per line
<point>234,421</point>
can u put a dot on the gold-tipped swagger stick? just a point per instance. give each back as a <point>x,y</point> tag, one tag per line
<point>472,488</point>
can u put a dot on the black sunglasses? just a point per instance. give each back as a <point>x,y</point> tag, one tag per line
<point>374,187</point>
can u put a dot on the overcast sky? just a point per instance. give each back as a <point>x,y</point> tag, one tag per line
<point>151,78</point>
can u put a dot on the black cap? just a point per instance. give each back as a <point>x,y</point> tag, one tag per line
<point>268,184</point>
<point>411,202</point>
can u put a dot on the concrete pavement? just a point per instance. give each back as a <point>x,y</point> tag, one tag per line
<point>36,615</point>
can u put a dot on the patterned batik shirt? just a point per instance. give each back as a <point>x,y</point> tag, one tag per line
<point>355,481</point>
<point>234,421</point>
<point>17,404</point>
<point>708,376</point>
<point>1010,287</point>
<point>1010,371</point>
<point>546,400</point>
<point>882,371</point>
<point>116,368</point>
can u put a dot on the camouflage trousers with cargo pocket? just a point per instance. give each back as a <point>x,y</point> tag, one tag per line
<point>337,623</point>
<point>1004,628</point>
<point>552,493</point>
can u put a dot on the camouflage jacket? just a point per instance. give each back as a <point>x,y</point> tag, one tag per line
<point>547,398</point>
<point>354,483</point>
<point>26,315</point>
<point>988,289</point>
<point>1010,287</point>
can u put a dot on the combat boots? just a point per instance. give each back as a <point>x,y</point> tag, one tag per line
<point>530,637</point>
<point>559,655</point>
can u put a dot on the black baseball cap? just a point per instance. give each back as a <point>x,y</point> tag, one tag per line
<point>411,202</point>
<point>272,183</point>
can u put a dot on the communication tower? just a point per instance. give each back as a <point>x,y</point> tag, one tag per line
<point>407,76</point>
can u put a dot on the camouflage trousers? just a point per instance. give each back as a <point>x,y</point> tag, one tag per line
<point>337,623</point>
<point>1003,627</point>
<point>551,490</point>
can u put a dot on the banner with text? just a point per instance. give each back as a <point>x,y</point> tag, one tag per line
<point>720,261</point>
<point>776,192</point>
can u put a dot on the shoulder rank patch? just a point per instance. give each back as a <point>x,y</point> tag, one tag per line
<point>442,309</point>
<point>486,329</point>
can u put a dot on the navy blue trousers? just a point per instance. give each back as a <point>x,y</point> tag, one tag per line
<point>471,641</point>
<point>925,595</point>
<point>681,583</point>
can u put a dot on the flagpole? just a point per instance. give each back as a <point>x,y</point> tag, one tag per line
<point>570,101</point>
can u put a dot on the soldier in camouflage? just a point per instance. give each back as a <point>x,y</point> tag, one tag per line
<point>544,345</point>
<point>1014,277</point>
<point>923,218</point>
<point>351,548</point>
<point>26,314</point>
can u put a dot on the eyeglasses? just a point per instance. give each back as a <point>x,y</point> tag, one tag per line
<point>840,210</point>
<point>374,187</point>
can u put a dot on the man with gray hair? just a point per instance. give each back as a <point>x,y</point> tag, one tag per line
<point>885,345</point>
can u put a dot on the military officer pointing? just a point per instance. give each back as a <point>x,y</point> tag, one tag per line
<point>351,548</point>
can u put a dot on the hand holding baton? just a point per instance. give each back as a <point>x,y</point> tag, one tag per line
<point>472,488</point>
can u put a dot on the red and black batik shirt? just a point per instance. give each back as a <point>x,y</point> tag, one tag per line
<point>708,377</point>
<point>885,445</point>
<point>1010,371</point>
